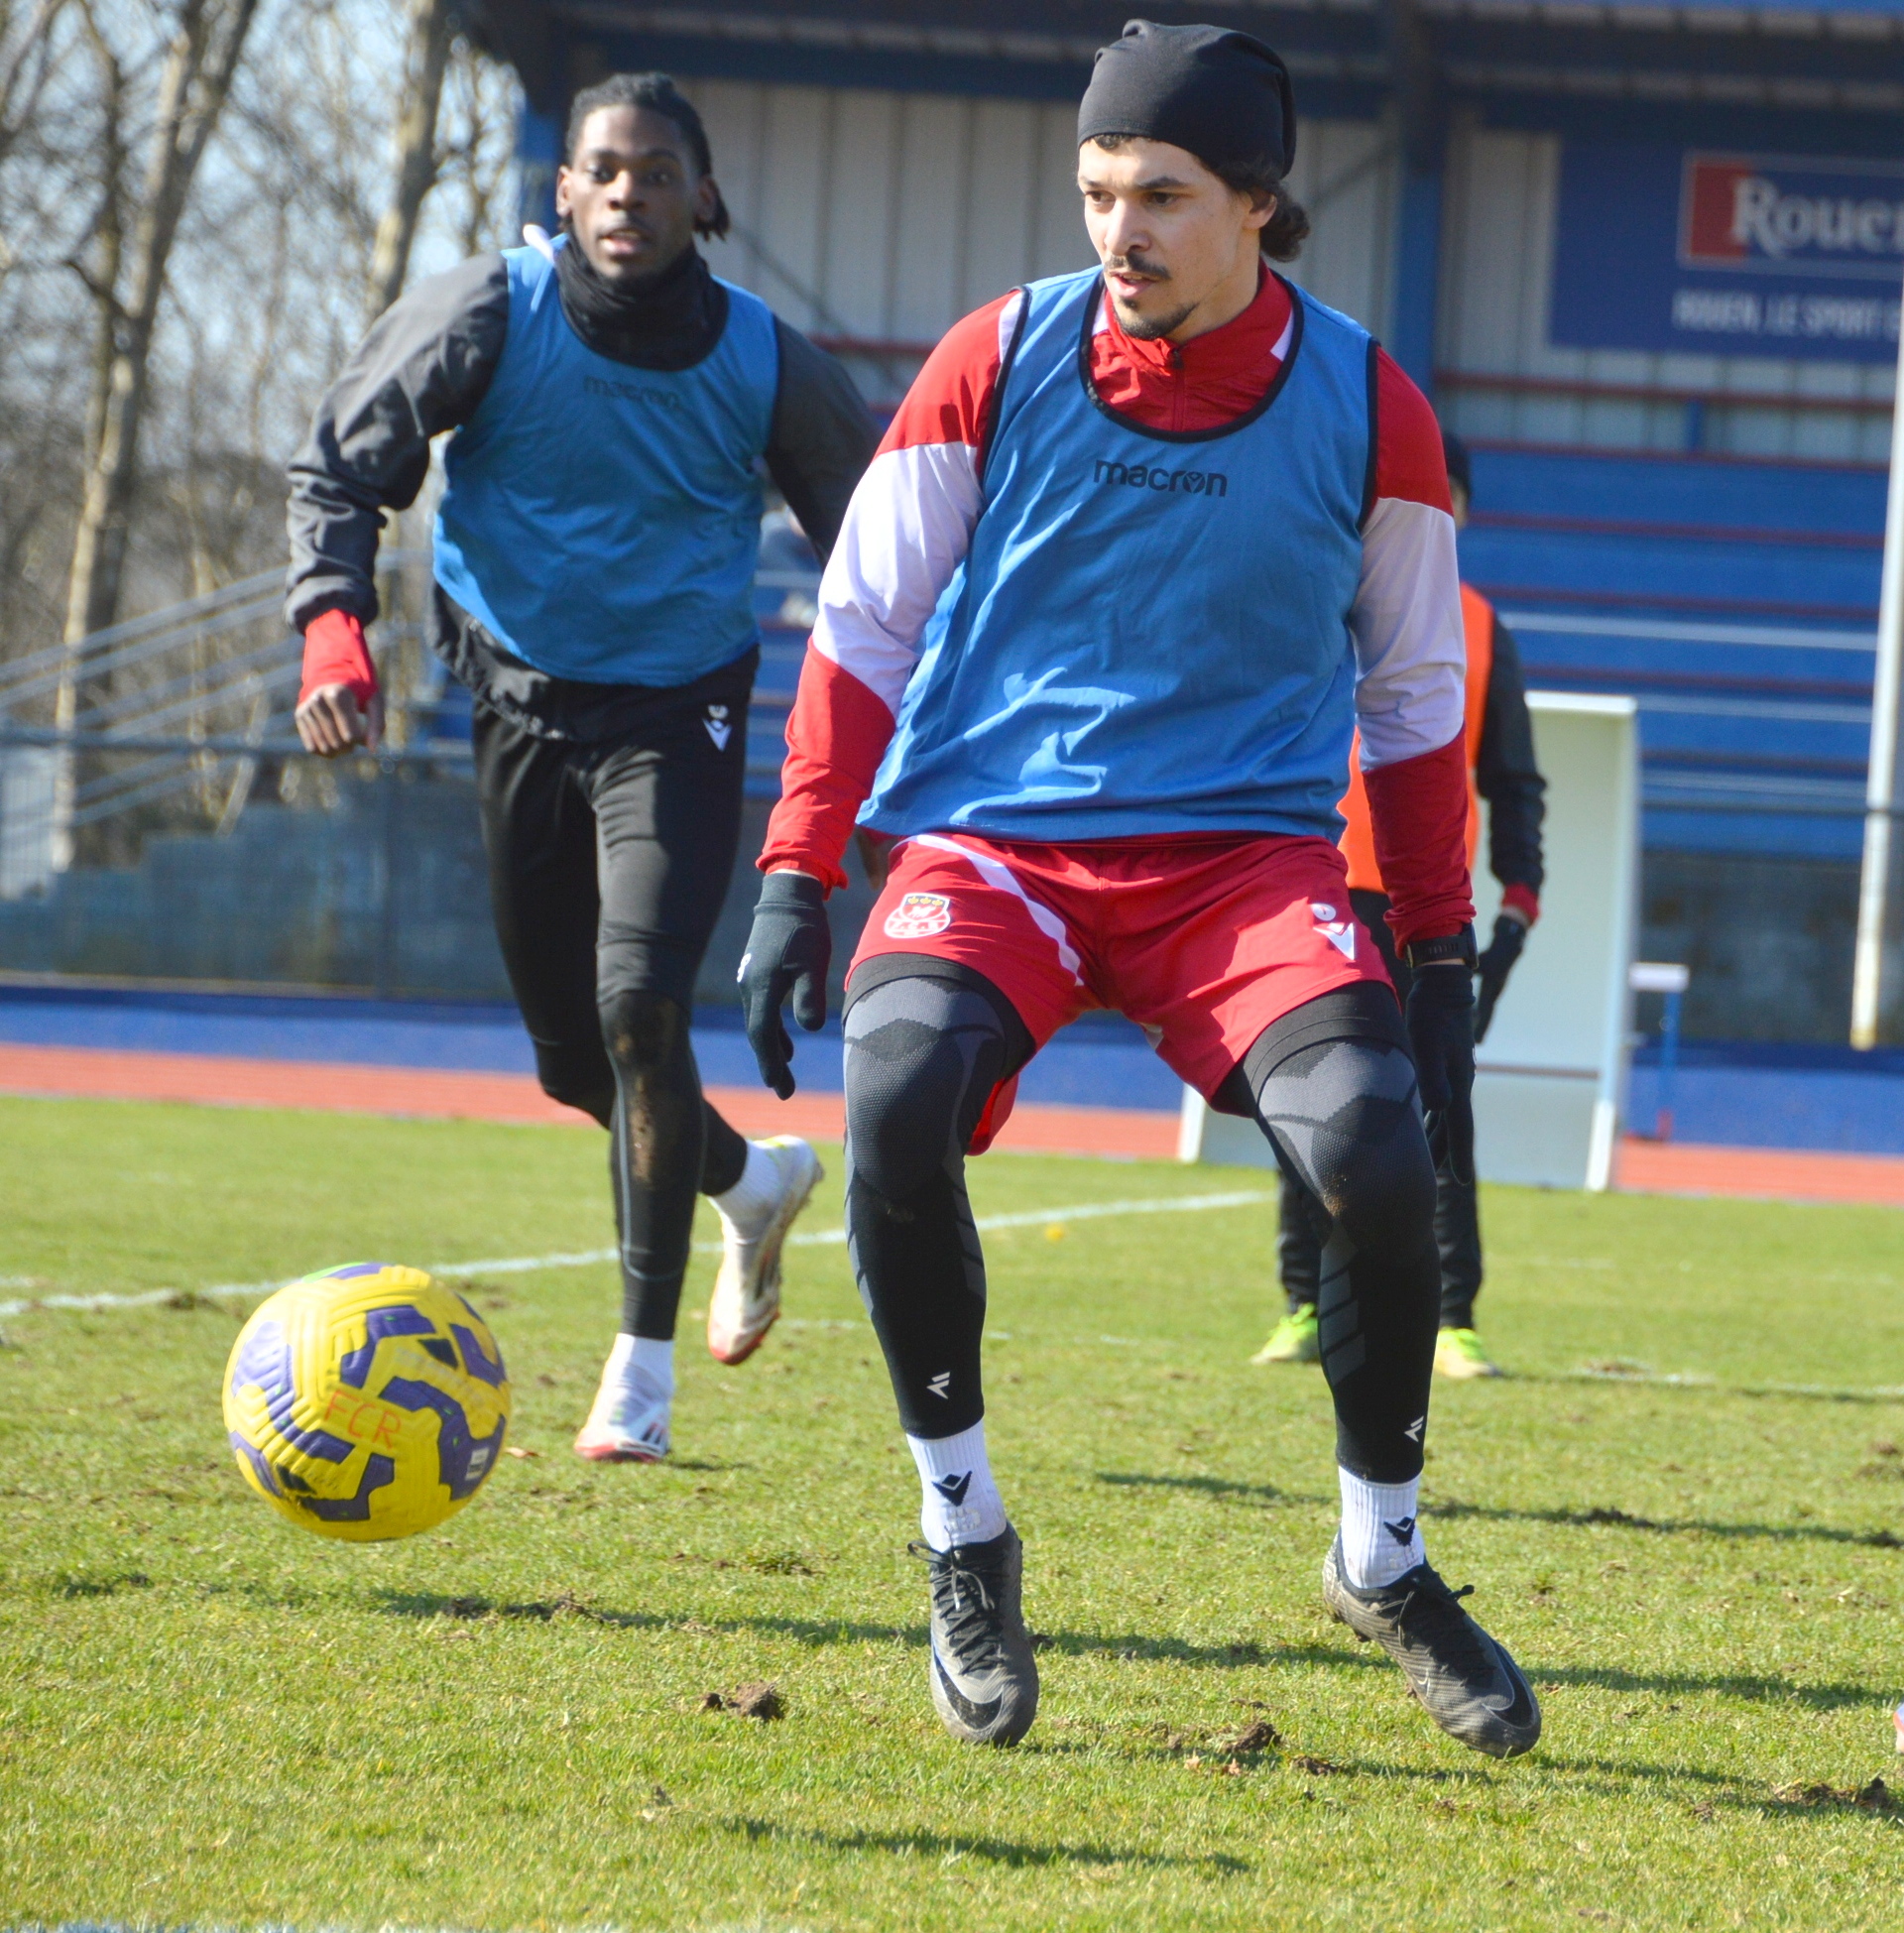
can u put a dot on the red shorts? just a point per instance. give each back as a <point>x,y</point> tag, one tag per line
<point>1203,942</point>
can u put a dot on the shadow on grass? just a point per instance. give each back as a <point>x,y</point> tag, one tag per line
<point>1000,1852</point>
<point>818,1632</point>
<point>97,1583</point>
<point>1752,1686</point>
<point>1622,1774</point>
<point>1757,1688</point>
<point>1596,1516</point>
<point>1137,1647</point>
<point>1601,1515</point>
<point>1218,1487</point>
<point>440,1604</point>
<point>1147,1648</point>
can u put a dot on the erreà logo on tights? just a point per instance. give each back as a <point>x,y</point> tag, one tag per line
<point>1165,482</point>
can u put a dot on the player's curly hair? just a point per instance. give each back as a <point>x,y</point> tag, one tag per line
<point>1284,233</point>
<point>658,94</point>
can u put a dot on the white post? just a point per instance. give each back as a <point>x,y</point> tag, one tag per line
<point>1880,791</point>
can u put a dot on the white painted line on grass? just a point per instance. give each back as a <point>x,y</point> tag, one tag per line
<point>815,1238</point>
<point>1698,1379</point>
<point>88,1302</point>
<point>525,1264</point>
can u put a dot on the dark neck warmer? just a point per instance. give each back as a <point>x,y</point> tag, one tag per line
<point>666,321</point>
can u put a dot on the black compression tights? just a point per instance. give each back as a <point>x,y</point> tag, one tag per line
<point>666,1147</point>
<point>921,1056</point>
<point>1335,1090</point>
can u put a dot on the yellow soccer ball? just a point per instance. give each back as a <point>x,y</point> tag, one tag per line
<point>368,1402</point>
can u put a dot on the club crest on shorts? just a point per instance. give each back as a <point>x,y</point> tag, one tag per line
<point>919,916</point>
<point>1340,934</point>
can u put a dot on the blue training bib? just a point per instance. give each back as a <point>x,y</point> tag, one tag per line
<point>602,522</point>
<point>1149,633</point>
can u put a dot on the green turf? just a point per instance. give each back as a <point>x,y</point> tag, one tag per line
<point>208,1715</point>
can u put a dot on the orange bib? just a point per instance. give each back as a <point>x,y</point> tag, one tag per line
<point>1358,838</point>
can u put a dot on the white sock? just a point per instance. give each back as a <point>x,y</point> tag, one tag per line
<point>643,1366</point>
<point>752,1197</point>
<point>960,1504</point>
<point>1381,1537</point>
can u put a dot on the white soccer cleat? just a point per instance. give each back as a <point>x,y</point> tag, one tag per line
<point>747,1292</point>
<point>626,1425</point>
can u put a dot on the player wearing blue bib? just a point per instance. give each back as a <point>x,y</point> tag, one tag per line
<point>1139,553</point>
<point>611,403</point>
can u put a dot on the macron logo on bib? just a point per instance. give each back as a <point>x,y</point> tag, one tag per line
<point>1154,476</point>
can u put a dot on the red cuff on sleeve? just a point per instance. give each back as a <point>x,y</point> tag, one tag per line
<point>335,654</point>
<point>1418,812</point>
<point>1521,900</point>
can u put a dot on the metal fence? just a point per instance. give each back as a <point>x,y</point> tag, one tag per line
<point>178,829</point>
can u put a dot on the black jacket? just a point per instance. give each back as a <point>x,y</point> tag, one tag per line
<point>423,369</point>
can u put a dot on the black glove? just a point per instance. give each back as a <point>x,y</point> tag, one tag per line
<point>1441,1031</point>
<point>1494,965</point>
<point>787,952</point>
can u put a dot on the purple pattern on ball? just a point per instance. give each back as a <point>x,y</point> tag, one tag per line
<point>402,1320</point>
<point>265,1361</point>
<point>351,1269</point>
<point>259,1467</point>
<point>378,1471</point>
<point>462,1460</point>
<point>477,1360</point>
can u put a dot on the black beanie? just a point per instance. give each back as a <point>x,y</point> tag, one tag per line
<point>1221,94</point>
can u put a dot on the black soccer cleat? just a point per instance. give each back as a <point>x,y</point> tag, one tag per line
<point>985,1680</point>
<point>1466,1681</point>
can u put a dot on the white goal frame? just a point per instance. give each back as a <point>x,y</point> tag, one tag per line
<point>1550,1083</point>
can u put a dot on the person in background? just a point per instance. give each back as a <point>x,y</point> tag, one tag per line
<point>614,403</point>
<point>1500,770</point>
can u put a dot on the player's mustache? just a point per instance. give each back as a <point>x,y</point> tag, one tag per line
<point>1136,265</point>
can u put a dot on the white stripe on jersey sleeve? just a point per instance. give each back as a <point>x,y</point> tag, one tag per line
<point>1009,322</point>
<point>1411,653</point>
<point>907,530</point>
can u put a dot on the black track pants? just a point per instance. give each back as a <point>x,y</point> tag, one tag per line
<point>608,863</point>
<point>1457,1204</point>
<point>1334,1088</point>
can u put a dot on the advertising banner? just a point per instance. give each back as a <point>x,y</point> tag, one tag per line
<point>1733,254</point>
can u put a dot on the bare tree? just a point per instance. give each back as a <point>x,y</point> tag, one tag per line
<point>207,43</point>
<point>214,182</point>
<point>26,66</point>
<point>426,55</point>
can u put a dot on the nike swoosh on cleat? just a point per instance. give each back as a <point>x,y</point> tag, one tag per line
<point>976,1716</point>
<point>1520,1708</point>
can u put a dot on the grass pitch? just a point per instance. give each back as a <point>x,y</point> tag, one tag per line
<point>206,1715</point>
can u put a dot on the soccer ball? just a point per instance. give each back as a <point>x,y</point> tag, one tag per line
<point>368,1402</point>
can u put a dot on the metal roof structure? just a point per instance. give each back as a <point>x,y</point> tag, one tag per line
<point>1830,74</point>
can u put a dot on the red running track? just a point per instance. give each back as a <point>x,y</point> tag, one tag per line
<point>430,1093</point>
<point>1128,1133</point>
